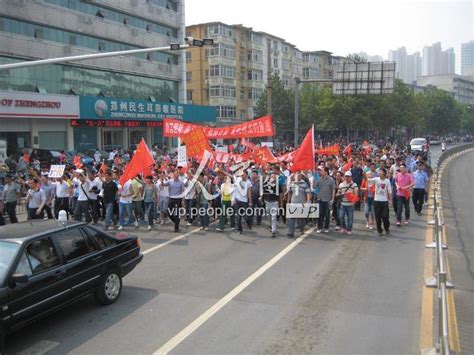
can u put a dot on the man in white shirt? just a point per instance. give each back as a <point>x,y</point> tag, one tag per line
<point>125,204</point>
<point>82,205</point>
<point>164,197</point>
<point>63,194</point>
<point>96,186</point>
<point>383,194</point>
<point>242,199</point>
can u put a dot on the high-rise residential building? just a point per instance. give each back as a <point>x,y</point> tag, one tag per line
<point>438,62</point>
<point>431,59</point>
<point>111,101</point>
<point>448,64</point>
<point>399,56</point>
<point>467,58</point>
<point>232,75</point>
<point>413,67</point>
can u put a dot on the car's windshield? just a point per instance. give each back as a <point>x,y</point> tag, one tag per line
<point>417,141</point>
<point>8,251</point>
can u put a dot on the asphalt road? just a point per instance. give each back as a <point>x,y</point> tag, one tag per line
<point>458,195</point>
<point>326,294</point>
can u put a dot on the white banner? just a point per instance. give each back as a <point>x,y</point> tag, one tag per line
<point>35,105</point>
<point>267,144</point>
<point>56,171</point>
<point>223,148</point>
<point>182,159</point>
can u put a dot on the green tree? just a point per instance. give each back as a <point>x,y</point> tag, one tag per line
<point>283,108</point>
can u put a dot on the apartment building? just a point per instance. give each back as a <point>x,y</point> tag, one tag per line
<point>233,74</point>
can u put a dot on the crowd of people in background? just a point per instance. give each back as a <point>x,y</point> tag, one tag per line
<point>376,180</point>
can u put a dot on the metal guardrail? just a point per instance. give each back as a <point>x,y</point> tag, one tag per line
<point>439,279</point>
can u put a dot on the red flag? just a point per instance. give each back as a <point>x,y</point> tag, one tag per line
<point>103,168</point>
<point>141,160</point>
<point>367,148</point>
<point>304,156</point>
<point>347,167</point>
<point>196,142</point>
<point>78,161</point>
<point>347,150</point>
<point>264,155</point>
<point>331,150</point>
<point>352,197</point>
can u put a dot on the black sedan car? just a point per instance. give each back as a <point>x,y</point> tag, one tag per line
<point>44,266</point>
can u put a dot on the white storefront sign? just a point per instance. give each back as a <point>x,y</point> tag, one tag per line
<point>34,105</point>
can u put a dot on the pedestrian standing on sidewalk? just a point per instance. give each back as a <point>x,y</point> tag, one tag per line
<point>421,186</point>
<point>382,196</point>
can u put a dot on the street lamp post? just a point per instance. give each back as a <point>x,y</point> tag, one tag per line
<point>190,42</point>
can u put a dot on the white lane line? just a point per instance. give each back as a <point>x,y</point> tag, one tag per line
<point>194,325</point>
<point>162,245</point>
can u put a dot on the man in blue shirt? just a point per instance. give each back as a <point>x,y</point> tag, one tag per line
<point>421,185</point>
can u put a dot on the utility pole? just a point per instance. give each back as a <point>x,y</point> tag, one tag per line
<point>269,80</point>
<point>297,110</point>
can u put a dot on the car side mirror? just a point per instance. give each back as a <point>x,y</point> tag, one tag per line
<point>19,278</point>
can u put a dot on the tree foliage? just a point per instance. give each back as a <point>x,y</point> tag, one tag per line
<point>432,111</point>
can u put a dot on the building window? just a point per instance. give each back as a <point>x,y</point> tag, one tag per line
<point>275,62</point>
<point>189,76</point>
<point>218,29</point>
<point>255,56</point>
<point>226,111</point>
<point>222,91</point>
<point>189,95</point>
<point>222,50</point>
<point>256,38</point>
<point>225,71</point>
<point>254,93</point>
<point>256,75</point>
<point>188,56</point>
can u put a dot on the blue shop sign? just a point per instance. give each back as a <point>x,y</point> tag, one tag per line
<point>100,108</point>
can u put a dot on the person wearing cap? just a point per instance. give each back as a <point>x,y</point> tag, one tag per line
<point>11,194</point>
<point>347,190</point>
<point>49,190</point>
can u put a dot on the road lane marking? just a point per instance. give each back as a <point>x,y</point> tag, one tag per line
<point>179,237</point>
<point>194,325</point>
<point>426,323</point>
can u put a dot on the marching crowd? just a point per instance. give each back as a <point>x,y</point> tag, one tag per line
<point>240,195</point>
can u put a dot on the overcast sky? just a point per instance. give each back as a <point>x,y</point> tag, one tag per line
<point>347,26</point>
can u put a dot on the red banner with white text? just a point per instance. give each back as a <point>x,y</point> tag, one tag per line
<point>260,127</point>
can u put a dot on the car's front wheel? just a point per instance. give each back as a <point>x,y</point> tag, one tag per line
<point>110,288</point>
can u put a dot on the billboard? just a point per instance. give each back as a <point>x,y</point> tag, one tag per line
<point>363,78</point>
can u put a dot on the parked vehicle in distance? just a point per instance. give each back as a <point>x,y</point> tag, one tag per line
<point>435,142</point>
<point>419,145</point>
<point>46,157</point>
<point>44,267</point>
